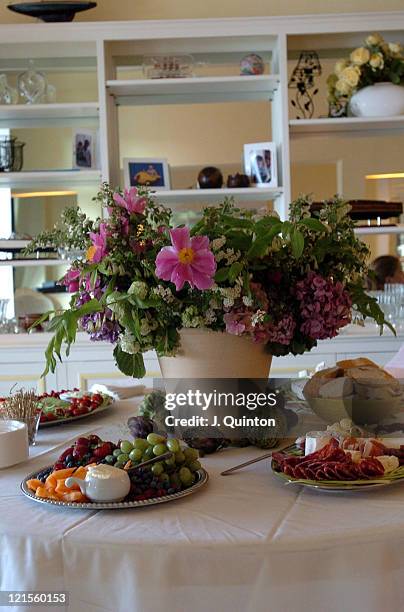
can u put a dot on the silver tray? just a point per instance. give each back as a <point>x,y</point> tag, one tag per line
<point>65,420</point>
<point>345,486</point>
<point>202,479</point>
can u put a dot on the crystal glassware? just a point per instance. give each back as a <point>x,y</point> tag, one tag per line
<point>32,84</point>
<point>8,95</point>
<point>32,423</point>
<point>168,66</point>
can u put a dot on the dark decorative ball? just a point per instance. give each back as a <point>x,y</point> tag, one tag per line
<point>237,180</point>
<point>210,178</point>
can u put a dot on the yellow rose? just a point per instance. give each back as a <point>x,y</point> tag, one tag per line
<point>360,56</point>
<point>377,61</point>
<point>351,75</point>
<point>374,39</point>
<point>395,48</point>
<point>339,66</point>
<point>343,88</point>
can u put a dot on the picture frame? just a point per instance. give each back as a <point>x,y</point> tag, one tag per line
<point>85,149</point>
<point>260,164</point>
<point>146,172</point>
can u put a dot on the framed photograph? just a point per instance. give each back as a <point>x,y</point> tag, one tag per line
<point>260,163</point>
<point>146,172</point>
<point>84,149</point>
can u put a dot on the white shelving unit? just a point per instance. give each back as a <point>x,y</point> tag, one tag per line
<point>250,194</point>
<point>345,124</point>
<point>13,244</point>
<point>44,178</point>
<point>193,90</point>
<point>29,263</point>
<point>106,46</point>
<point>388,229</point>
<point>38,115</point>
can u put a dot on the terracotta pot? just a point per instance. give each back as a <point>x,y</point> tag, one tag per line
<point>209,354</point>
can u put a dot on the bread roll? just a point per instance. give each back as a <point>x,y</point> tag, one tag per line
<point>312,387</point>
<point>346,364</point>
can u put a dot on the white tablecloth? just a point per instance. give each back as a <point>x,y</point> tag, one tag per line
<point>245,543</point>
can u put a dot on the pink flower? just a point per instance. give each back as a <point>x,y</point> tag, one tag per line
<point>234,325</point>
<point>72,280</point>
<point>187,260</point>
<point>98,250</point>
<point>131,201</point>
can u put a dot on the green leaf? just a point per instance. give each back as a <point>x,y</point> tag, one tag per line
<point>41,319</point>
<point>221,275</point>
<point>297,243</point>
<point>88,308</point>
<point>130,365</point>
<point>263,241</point>
<point>313,224</point>
<point>235,270</point>
<point>238,222</point>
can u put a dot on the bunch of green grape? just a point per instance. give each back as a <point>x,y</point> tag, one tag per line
<point>180,468</point>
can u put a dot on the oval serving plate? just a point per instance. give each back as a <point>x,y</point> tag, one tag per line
<point>76,418</point>
<point>202,474</point>
<point>329,487</point>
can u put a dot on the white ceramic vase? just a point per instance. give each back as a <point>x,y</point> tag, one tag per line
<point>219,355</point>
<point>378,100</point>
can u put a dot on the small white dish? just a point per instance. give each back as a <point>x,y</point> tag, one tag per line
<point>14,447</point>
<point>103,483</point>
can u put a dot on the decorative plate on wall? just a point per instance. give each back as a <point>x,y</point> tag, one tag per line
<point>51,11</point>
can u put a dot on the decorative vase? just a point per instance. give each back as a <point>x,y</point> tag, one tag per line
<point>378,100</point>
<point>8,95</point>
<point>32,84</point>
<point>209,354</point>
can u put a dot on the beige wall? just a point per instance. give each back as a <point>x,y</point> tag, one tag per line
<point>192,9</point>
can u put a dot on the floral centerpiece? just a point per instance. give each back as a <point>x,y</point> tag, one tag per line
<point>282,284</point>
<point>377,61</point>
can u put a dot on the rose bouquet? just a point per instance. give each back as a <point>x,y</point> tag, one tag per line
<point>375,62</point>
<point>285,284</point>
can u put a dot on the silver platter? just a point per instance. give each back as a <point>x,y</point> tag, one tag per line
<point>65,420</point>
<point>202,479</point>
<point>345,485</point>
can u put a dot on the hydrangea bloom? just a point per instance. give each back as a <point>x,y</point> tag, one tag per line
<point>131,200</point>
<point>187,260</point>
<point>325,306</point>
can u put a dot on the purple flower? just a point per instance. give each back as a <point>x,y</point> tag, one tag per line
<point>281,332</point>
<point>98,250</point>
<point>101,327</point>
<point>187,260</point>
<point>72,280</point>
<point>325,306</point>
<point>131,201</point>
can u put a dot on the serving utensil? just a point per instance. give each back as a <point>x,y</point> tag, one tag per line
<point>240,466</point>
<point>163,457</point>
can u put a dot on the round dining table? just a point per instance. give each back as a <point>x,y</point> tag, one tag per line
<point>244,543</point>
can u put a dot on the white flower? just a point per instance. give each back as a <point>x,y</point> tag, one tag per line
<point>373,39</point>
<point>217,243</point>
<point>228,302</point>
<point>395,48</point>
<point>164,292</point>
<point>339,66</point>
<point>377,61</point>
<point>359,56</point>
<point>350,75</point>
<point>247,300</point>
<point>128,344</point>
<point>210,317</point>
<point>258,317</point>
